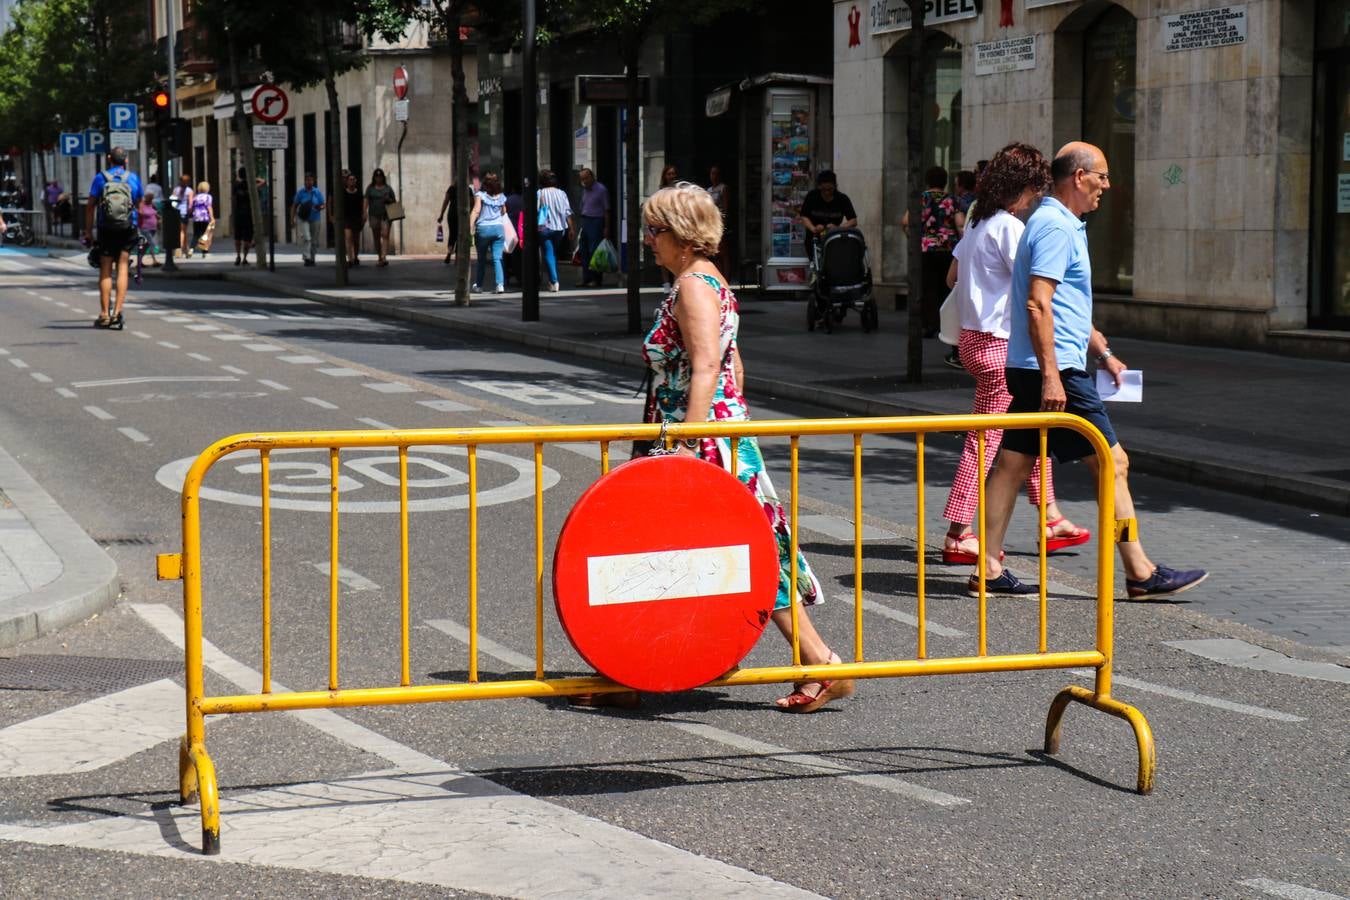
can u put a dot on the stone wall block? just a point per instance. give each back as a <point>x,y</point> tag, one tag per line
<point>1293,187</point>
<point>1230,187</point>
<point>1259,187</point>
<point>1200,186</point>
<point>1262,114</point>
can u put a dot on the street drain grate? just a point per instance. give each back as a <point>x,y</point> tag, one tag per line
<point>81,673</point>
<point>134,540</point>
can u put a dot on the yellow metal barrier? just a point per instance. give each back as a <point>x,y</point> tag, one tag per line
<point>197,773</point>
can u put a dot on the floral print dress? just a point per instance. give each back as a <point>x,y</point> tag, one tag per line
<point>668,401</point>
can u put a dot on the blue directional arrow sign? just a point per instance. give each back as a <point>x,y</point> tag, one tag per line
<point>95,141</point>
<point>122,116</point>
<point>72,143</point>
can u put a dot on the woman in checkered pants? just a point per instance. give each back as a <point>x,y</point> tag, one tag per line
<point>981,272</point>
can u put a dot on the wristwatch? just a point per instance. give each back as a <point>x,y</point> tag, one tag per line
<point>1105,355</point>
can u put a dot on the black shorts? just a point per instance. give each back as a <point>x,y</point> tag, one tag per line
<point>112,242</point>
<point>1081,399</point>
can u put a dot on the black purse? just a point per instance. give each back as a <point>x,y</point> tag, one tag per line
<point>649,416</point>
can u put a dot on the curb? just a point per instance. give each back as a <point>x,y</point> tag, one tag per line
<point>88,582</point>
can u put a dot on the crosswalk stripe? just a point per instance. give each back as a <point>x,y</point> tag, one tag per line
<point>93,734</point>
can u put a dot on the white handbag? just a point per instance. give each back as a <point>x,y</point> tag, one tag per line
<point>949,328</point>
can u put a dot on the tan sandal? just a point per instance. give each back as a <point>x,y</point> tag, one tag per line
<point>804,701</point>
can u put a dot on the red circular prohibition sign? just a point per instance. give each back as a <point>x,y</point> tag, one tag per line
<point>665,573</point>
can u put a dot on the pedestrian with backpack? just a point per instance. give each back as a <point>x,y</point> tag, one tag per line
<point>113,198</point>
<point>306,207</point>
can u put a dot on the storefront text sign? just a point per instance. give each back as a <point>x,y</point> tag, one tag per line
<point>893,15</point>
<point>1343,193</point>
<point>1007,55</point>
<point>1220,27</point>
<point>1032,4</point>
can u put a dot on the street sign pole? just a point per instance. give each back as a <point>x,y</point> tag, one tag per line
<point>167,182</point>
<point>529,127</point>
<point>271,211</point>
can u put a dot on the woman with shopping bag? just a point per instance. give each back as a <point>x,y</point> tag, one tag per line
<point>489,223</point>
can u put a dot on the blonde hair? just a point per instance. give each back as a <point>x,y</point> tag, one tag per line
<point>690,214</point>
<point>204,187</point>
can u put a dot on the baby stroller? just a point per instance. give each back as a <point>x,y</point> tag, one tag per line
<point>842,280</point>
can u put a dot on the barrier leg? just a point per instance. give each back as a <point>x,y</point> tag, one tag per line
<point>1143,734</point>
<point>197,778</point>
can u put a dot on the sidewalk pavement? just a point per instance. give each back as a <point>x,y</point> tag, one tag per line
<point>51,573</point>
<point>1250,422</point>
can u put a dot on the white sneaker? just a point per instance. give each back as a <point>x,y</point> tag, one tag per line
<point>554,287</point>
<point>499,290</point>
<point>475,289</point>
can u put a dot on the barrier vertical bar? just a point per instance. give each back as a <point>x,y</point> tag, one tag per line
<point>405,671</point>
<point>922,650</point>
<point>604,458</point>
<point>1044,542</point>
<point>735,456</point>
<point>1106,570</point>
<point>981,557</point>
<point>333,569</point>
<point>473,562</point>
<point>857,549</point>
<point>792,562</point>
<point>539,550</point>
<point>266,459</point>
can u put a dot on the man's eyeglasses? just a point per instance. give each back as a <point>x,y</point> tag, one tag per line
<point>654,230</point>
<point>1104,176</point>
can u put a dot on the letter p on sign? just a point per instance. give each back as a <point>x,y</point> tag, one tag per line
<point>122,117</point>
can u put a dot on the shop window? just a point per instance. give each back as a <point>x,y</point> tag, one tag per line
<point>1330,296</point>
<point>1108,121</point>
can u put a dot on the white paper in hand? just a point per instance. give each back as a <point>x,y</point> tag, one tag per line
<point>1131,389</point>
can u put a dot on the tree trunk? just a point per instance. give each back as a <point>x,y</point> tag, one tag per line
<point>914,188</point>
<point>460,138</point>
<point>244,126</point>
<point>632,206</point>
<point>335,202</point>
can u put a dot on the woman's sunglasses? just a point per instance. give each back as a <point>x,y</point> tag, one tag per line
<point>654,230</point>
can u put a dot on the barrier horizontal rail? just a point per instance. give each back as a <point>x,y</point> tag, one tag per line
<point>197,771</point>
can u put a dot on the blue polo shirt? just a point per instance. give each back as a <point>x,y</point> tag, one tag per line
<point>96,191</point>
<point>1053,246</point>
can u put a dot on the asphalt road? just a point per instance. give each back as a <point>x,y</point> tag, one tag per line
<point>916,787</point>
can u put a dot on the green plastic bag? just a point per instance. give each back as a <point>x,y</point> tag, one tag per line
<point>605,258</point>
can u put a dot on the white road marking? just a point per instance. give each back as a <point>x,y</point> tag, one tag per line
<point>153,312</point>
<point>176,319</point>
<point>390,387</point>
<point>502,423</point>
<point>375,423</point>
<point>17,363</point>
<point>912,621</point>
<point>43,297</point>
<point>93,734</point>
<point>1232,652</point>
<point>141,334</point>
<point>264,348</point>
<point>150,379</point>
<point>460,831</point>
<point>888,783</point>
<point>590,451</point>
<point>63,305</point>
<point>322,404</point>
<point>67,393</point>
<point>235,369</point>
<point>170,345</point>
<point>203,326</point>
<point>667,575</point>
<point>446,406</point>
<point>233,337</point>
<point>200,357</point>
<point>353,580</point>
<point>99,413</point>
<point>134,435</point>
<point>4,352</point>
<point>531,394</point>
<point>341,372</point>
<point>1287,890</point>
<point>39,377</point>
<point>274,385</point>
<point>301,360</point>
<point>1259,712</point>
<point>842,529</point>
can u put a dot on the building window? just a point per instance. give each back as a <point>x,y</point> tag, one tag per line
<point>1108,121</point>
<point>1330,295</point>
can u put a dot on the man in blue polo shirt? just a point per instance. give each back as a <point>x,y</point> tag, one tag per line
<point>1048,347</point>
<point>116,240</point>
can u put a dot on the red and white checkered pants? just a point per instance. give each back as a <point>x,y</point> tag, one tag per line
<point>985,357</point>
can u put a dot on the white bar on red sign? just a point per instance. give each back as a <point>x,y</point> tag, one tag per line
<point>668,575</point>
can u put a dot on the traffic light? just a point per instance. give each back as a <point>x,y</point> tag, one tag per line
<point>161,100</point>
<point>179,138</point>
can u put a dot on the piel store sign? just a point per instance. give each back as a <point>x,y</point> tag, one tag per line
<point>893,15</point>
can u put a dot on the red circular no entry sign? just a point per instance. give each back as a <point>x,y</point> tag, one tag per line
<point>665,573</point>
<point>400,82</point>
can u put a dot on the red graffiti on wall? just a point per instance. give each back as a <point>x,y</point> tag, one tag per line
<point>1005,18</point>
<point>854,17</point>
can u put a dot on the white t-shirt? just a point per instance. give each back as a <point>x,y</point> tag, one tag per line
<point>984,273</point>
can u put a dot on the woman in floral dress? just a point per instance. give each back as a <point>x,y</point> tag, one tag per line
<point>696,365</point>
<point>942,224</point>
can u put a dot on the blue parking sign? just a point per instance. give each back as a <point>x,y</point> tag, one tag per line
<point>72,143</point>
<point>95,141</point>
<point>122,116</point>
